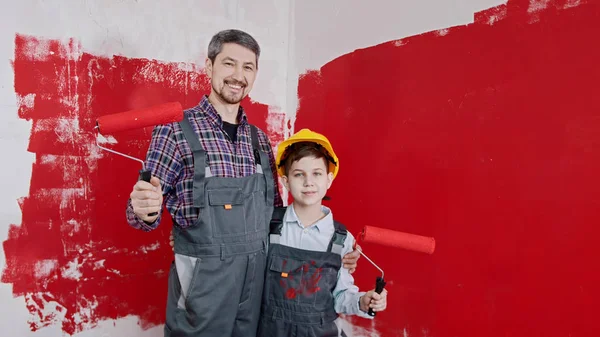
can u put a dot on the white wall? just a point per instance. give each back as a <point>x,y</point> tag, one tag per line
<point>294,35</point>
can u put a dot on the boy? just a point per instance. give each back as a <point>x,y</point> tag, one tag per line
<point>305,288</point>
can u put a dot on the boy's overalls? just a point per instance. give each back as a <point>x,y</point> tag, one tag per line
<point>298,293</point>
<point>216,280</point>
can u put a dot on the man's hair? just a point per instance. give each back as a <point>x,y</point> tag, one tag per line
<point>300,150</point>
<point>232,36</point>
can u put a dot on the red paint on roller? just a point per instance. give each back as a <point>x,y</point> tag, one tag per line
<point>140,118</point>
<point>387,237</point>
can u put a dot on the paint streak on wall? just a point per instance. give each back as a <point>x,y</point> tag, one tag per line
<point>486,137</point>
<point>74,258</point>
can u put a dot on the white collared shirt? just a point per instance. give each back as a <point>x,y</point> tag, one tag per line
<point>316,237</point>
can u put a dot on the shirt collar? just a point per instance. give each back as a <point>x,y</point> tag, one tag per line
<point>324,224</point>
<point>213,116</point>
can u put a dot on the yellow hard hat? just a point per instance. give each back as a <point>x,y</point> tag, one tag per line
<point>306,135</point>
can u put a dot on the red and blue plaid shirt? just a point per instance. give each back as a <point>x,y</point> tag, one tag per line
<point>170,159</point>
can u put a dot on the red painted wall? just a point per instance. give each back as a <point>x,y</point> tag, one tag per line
<point>75,211</point>
<point>488,139</point>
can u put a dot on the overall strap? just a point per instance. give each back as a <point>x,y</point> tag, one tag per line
<point>339,237</point>
<point>199,161</point>
<point>276,224</point>
<point>261,158</point>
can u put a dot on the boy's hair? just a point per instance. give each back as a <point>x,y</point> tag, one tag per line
<point>301,150</point>
<point>232,36</point>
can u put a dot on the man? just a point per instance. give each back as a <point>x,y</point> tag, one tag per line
<point>217,175</point>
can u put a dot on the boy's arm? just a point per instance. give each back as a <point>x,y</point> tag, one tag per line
<point>347,295</point>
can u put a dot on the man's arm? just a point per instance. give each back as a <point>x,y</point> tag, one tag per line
<point>350,259</point>
<point>163,159</point>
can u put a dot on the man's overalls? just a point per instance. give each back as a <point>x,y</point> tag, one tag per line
<point>298,293</point>
<point>216,280</point>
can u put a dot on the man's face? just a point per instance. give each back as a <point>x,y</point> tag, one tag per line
<point>233,73</point>
<point>308,181</point>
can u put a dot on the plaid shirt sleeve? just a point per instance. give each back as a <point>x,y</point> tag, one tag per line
<point>164,161</point>
<point>266,146</point>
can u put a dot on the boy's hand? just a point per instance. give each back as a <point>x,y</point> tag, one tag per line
<point>171,241</point>
<point>373,300</point>
<point>350,259</point>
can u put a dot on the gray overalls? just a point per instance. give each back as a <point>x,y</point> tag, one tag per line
<point>297,298</point>
<point>216,280</point>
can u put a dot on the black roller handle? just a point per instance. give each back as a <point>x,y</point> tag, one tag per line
<point>145,176</point>
<point>379,285</point>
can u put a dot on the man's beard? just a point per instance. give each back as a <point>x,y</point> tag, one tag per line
<point>232,98</point>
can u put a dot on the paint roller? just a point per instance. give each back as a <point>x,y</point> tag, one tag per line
<point>391,238</point>
<point>139,118</point>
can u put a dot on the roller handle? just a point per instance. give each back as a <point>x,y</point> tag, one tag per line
<point>379,284</point>
<point>145,176</point>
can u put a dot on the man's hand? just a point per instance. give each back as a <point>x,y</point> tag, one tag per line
<point>373,300</point>
<point>350,260</point>
<point>147,198</point>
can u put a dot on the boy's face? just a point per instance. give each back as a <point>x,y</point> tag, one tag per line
<point>308,181</point>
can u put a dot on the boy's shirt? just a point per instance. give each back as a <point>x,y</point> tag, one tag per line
<point>316,237</point>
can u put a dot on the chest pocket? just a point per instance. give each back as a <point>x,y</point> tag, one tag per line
<point>227,210</point>
<point>297,281</point>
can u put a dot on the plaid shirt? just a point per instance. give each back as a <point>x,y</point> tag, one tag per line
<point>170,159</point>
